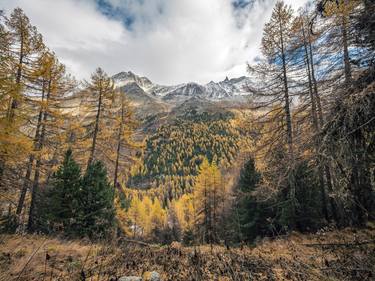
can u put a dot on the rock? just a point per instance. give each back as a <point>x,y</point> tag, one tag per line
<point>151,276</point>
<point>130,278</point>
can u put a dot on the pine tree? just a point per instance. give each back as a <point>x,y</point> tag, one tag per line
<point>97,214</point>
<point>62,199</point>
<point>251,215</point>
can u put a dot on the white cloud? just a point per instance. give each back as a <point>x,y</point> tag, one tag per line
<point>170,41</point>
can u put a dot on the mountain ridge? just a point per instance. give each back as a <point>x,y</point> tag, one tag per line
<point>233,89</point>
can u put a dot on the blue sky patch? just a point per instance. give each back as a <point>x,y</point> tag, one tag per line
<point>241,4</point>
<point>110,11</point>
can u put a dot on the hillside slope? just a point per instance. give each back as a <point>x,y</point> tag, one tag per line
<point>347,254</point>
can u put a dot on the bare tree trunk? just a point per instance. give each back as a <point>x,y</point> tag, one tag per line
<point>314,115</point>
<point>325,167</point>
<point>344,30</point>
<point>115,179</point>
<point>29,167</point>
<point>96,129</point>
<point>286,99</point>
<point>291,177</point>
<point>14,103</point>
<point>315,84</point>
<point>34,193</point>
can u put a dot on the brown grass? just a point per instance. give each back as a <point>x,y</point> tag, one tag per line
<point>347,254</point>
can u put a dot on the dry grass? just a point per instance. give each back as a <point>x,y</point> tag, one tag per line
<point>330,255</point>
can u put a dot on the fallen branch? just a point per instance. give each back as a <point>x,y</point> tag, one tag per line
<point>30,258</point>
<point>340,244</point>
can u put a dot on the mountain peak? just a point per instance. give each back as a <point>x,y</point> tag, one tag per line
<point>123,74</point>
<point>126,77</point>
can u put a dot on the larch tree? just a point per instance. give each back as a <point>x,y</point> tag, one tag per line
<point>136,214</point>
<point>100,91</point>
<point>21,45</point>
<point>124,125</point>
<point>309,106</point>
<point>207,197</point>
<point>273,98</point>
<point>55,85</point>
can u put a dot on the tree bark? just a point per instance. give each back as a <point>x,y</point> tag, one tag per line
<point>118,150</point>
<point>96,129</point>
<point>314,115</point>
<point>34,193</point>
<point>347,66</point>
<point>29,167</point>
<point>291,177</point>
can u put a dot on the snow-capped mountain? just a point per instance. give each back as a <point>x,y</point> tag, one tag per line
<point>226,90</point>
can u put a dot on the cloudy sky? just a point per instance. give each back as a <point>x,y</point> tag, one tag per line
<point>169,41</point>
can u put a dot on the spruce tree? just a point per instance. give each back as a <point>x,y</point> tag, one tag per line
<point>249,211</point>
<point>97,214</point>
<point>63,197</point>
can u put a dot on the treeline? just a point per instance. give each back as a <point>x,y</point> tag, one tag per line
<point>44,113</point>
<point>313,95</point>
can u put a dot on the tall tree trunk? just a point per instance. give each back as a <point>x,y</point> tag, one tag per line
<point>14,103</point>
<point>118,150</point>
<point>324,166</point>
<point>96,129</point>
<point>34,193</point>
<point>291,177</point>
<point>29,166</point>
<point>314,115</point>
<point>315,84</point>
<point>312,96</point>
<point>286,99</point>
<point>345,40</point>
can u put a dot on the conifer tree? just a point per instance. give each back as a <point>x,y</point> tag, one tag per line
<point>252,213</point>
<point>100,91</point>
<point>136,214</point>
<point>27,43</point>
<point>124,126</point>
<point>273,97</point>
<point>54,86</point>
<point>97,214</point>
<point>157,216</point>
<point>19,47</point>
<point>62,199</point>
<point>207,195</point>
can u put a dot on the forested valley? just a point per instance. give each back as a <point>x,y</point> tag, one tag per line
<point>280,187</point>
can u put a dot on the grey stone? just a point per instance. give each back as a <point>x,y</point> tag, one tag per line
<point>154,276</point>
<point>130,278</point>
